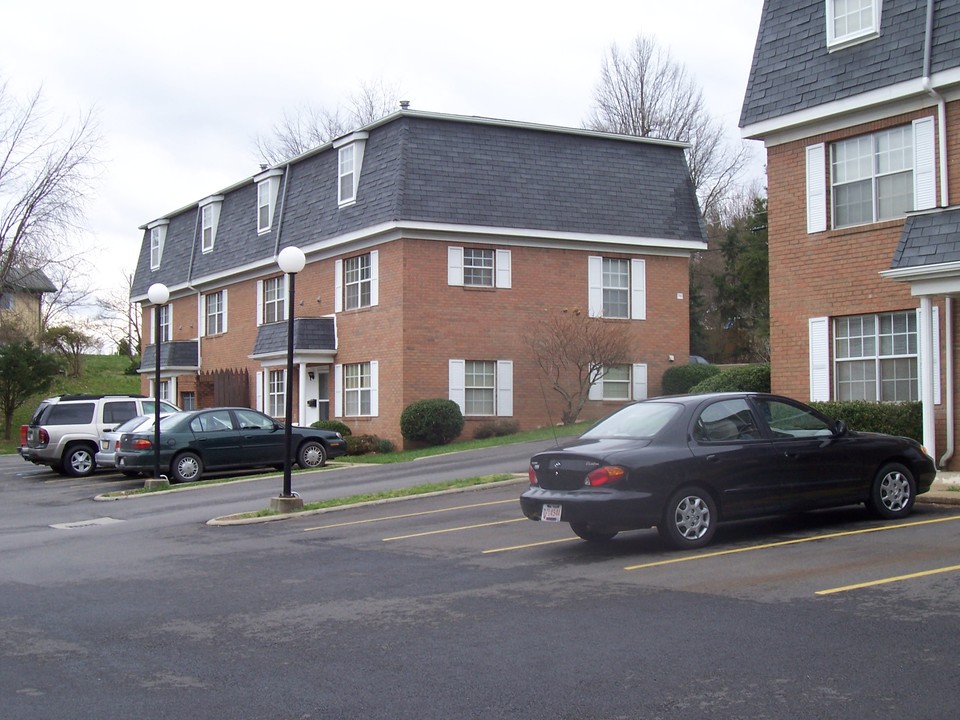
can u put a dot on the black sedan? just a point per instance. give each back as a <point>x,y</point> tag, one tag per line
<point>685,463</point>
<point>224,439</point>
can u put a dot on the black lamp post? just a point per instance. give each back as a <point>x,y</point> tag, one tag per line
<point>291,261</point>
<point>158,295</point>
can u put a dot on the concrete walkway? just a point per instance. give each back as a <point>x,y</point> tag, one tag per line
<point>945,490</point>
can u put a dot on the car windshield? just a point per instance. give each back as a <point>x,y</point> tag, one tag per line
<point>640,420</point>
<point>168,421</point>
<point>133,423</point>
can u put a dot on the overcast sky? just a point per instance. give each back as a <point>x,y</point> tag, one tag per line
<point>181,89</point>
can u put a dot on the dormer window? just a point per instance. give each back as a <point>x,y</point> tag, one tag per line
<point>158,235</point>
<point>268,186</point>
<point>209,219</point>
<point>349,161</point>
<point>852,21</point>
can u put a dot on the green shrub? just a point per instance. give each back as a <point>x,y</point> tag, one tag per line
<point>334,425</point>
<point>435,421</point>
<point>678,379</point>
<point>385,446</point>
<point>749,378</point>
<point>904,419</point>
<point>361,444</point>
<point>495,428</point>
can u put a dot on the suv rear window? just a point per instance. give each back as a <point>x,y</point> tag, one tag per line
<point>68,414</point>
<point>119,411</point>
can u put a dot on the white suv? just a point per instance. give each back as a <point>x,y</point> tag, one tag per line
<point>65,431</point>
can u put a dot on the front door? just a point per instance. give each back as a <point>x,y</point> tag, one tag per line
<point>316,394</point>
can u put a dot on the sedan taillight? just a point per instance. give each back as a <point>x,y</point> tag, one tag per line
<point>605,475</point>
<point>141,444</point>
<point>532,475</point>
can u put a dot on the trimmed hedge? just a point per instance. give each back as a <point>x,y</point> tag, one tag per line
<point>334,425</point>
<point>904,419</point>
<point>678,380</point>
<point>495,428</point>
<point>749,378</point>
<point>435,421</point>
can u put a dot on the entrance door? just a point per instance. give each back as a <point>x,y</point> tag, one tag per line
<point>317,403</point>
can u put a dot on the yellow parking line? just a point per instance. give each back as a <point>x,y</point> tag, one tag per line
<point>884,581</point>
<point>410,515</point>
<point>450,530</point>
<point>767,546</point>
<point>529,545</point>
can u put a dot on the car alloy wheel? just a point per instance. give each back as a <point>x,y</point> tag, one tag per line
<point>689,519</point>
<point>893,492</point>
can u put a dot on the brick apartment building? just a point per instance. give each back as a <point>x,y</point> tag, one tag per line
<point>858,105</point>
<point>434,244</point>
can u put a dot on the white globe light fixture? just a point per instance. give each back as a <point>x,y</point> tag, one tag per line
<point>291,261</point>
<point>158,294</point>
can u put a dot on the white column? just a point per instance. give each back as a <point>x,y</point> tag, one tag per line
<point>926,375</point>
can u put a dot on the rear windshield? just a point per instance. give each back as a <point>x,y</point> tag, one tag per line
<point>67,414</point>
<point>640,420</point>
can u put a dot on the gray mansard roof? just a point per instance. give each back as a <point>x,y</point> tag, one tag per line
<point>930,238</point>
<point>445,171</point>
<point>792,70</point>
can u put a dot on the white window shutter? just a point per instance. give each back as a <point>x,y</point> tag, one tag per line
<point>595,286</point>
<point>505,388</point>
<point>816,188</point>
<point>202,323</point>
<point>259,390</point>
<point>455,266</point>
<point>153,328</point>
<point>456,382</point>
<point>819,338</point>
<point>338,390</point>
<point>170,324</point>
<point>924,164</point>
<point>225,293</point>
<point>338,286</point>
<point>639,381</point>
<point>374,388</point>
<point>286,296</point>
<point>259,302</point>
<point>638,289</point>
<point>596,390</point>
<point>503,269</point>
<point>374,277</point>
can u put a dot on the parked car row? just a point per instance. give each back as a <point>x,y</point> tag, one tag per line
<point>77,434</point>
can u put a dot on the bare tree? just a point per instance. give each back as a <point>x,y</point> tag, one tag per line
<point>121,317</point>
<point>308,126</point>
<point>645,92</point>
<point>46,167</point>
<point>71,275</point>
<point>573,350</point>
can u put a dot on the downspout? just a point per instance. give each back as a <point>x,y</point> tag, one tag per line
<point>944,202</point>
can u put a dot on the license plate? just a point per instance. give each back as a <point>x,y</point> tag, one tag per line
<point>551,513</point>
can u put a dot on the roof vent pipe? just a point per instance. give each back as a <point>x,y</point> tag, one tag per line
<point>404,104</point>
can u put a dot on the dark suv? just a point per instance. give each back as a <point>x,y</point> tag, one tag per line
<point>65,431</point>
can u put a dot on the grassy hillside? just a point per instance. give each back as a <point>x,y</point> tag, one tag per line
<point>101,374</point>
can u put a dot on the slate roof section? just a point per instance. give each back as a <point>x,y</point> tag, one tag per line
<point>176,354</point>
<point>308,334</point>
<point>451,170</point>
<point>28,280</point>
<point>931,238</point>
<point>792,70</point>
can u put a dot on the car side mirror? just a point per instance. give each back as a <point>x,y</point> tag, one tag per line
<point>839,428</point>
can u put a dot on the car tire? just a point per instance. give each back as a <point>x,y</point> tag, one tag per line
<point>186,467</point>
<point>78,460</point>
<point>593,533</point>
<point>131,473</point>
<point>893,492</point>
<point>689,519</point>
<point>312,454</point>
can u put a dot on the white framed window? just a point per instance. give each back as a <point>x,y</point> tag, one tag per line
<point>482,387</point>
<point>873,177</point>
<point>277,393</point>
<point>621,383</point>
<point>350,151</point>
<point>166,324</point>
<point>158,236</point>
<point>268,186</point>
<point>358,389</point>
<point>876,357</point>
<point>617,288</point>
<point>851,21</point>
<point>215,313</point>
<point>271,300</point>
<point>479,267</point>
<point>209,219</point>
